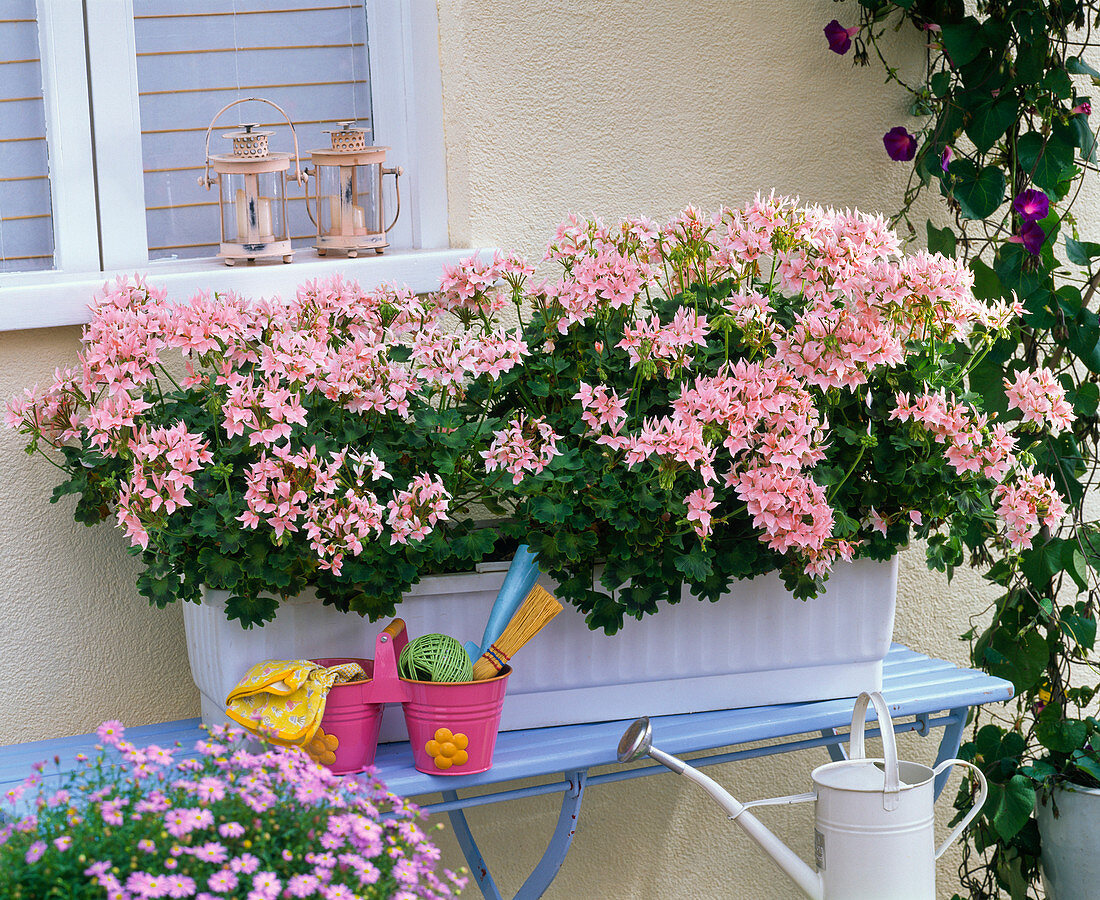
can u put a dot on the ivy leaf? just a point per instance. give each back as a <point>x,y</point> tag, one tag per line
<point>1075,65</point>
<point>963,40</point>
<point>1081,629</point>
<point>990,122</point>
<point>1086,764</point>
<point>941,240</point>
<point>1021,660</point>
<point>978,193</point>
<point>1086,398</point>
<point>987,286</point>
<point>1083,137</point>
<point>1046,160</point>
<point>1058,734</point>
<point>1078,569</point>
<point>1081,252</point>
<point>1017,800</point>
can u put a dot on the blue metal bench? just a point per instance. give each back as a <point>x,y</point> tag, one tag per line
<point>922,693</point>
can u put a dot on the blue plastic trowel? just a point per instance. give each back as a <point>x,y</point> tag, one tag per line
<point>521,577</point>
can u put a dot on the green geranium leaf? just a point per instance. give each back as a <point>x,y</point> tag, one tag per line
<point>219,571</point>
<point>695,565</point>
<point>249,611</point>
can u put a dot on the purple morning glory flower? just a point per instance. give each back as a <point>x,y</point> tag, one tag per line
<point>1031,236</point>
<point>1031,205</point>
<point>1082,108</point>
<point>945,158</point>
<point>839,37</point>
<point>900,145</point>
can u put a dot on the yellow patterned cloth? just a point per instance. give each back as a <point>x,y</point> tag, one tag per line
<point>284,699</point>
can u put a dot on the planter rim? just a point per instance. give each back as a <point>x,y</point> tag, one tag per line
<point>1070,787</point>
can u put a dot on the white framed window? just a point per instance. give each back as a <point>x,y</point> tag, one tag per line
<point>117,97</point>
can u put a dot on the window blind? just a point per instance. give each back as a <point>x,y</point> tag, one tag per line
<point>308,56</point>
<point>26,227</point>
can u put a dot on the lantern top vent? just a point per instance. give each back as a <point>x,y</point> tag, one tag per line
<point>349,138</point>
<point>249,144</point>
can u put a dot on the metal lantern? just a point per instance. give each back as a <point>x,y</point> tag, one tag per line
<point>252,191</point>
<point>348,186</point>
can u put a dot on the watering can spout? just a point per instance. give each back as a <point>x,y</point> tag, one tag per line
<point>637,742</point>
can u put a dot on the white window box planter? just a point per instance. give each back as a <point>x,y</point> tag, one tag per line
<point>757,646</point>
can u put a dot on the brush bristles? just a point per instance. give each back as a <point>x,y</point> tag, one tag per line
<point>538,608</point>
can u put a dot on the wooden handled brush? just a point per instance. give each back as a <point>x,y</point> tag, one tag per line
<point>538,608</point>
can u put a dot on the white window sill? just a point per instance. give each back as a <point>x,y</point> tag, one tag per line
<point>50,299</point>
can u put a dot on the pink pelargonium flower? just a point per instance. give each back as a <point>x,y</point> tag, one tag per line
<point>1041,399</point>
<point>700,503</point>
<point>525,446</point>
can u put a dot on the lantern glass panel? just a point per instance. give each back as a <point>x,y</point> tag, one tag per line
<point>252,207</point>
<point>350,199</point>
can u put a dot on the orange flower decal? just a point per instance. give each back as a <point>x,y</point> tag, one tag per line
<point>448,749</point>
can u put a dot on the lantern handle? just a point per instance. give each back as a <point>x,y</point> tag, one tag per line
<point>299,175</point>
<point>396,172</point>
<point>311,173</point>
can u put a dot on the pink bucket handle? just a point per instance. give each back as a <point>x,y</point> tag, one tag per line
<point>386,686</point>
<point>388,645</point>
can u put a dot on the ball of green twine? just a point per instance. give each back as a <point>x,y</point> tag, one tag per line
<point>435,657</point>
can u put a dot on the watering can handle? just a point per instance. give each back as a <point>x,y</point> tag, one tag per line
<point>983,791</point>
<point>891,795</point>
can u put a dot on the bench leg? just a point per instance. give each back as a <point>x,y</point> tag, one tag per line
<point>539,880</point>
<point>950,743</point>
<point>837,753</point>
<point>470,850</point>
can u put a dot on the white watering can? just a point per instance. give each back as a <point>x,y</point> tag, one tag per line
<point>873,837</point>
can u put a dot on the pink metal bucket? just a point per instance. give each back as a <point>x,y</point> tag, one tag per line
<point>453,726</point>
<point>352,720</point>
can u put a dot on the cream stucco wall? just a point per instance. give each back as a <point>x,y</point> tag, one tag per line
<point>608,107</point>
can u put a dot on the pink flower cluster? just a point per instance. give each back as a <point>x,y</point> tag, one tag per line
<point>525,446</point>
<point>1028,504</point>
<point>843,305</point>
<point>1041,399</point>
<point>972,445</point>
<point>667,346</point>
<point>164,463</point>
<point>260,368</point>
<point>226,822</point>
<point>470,284</point>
